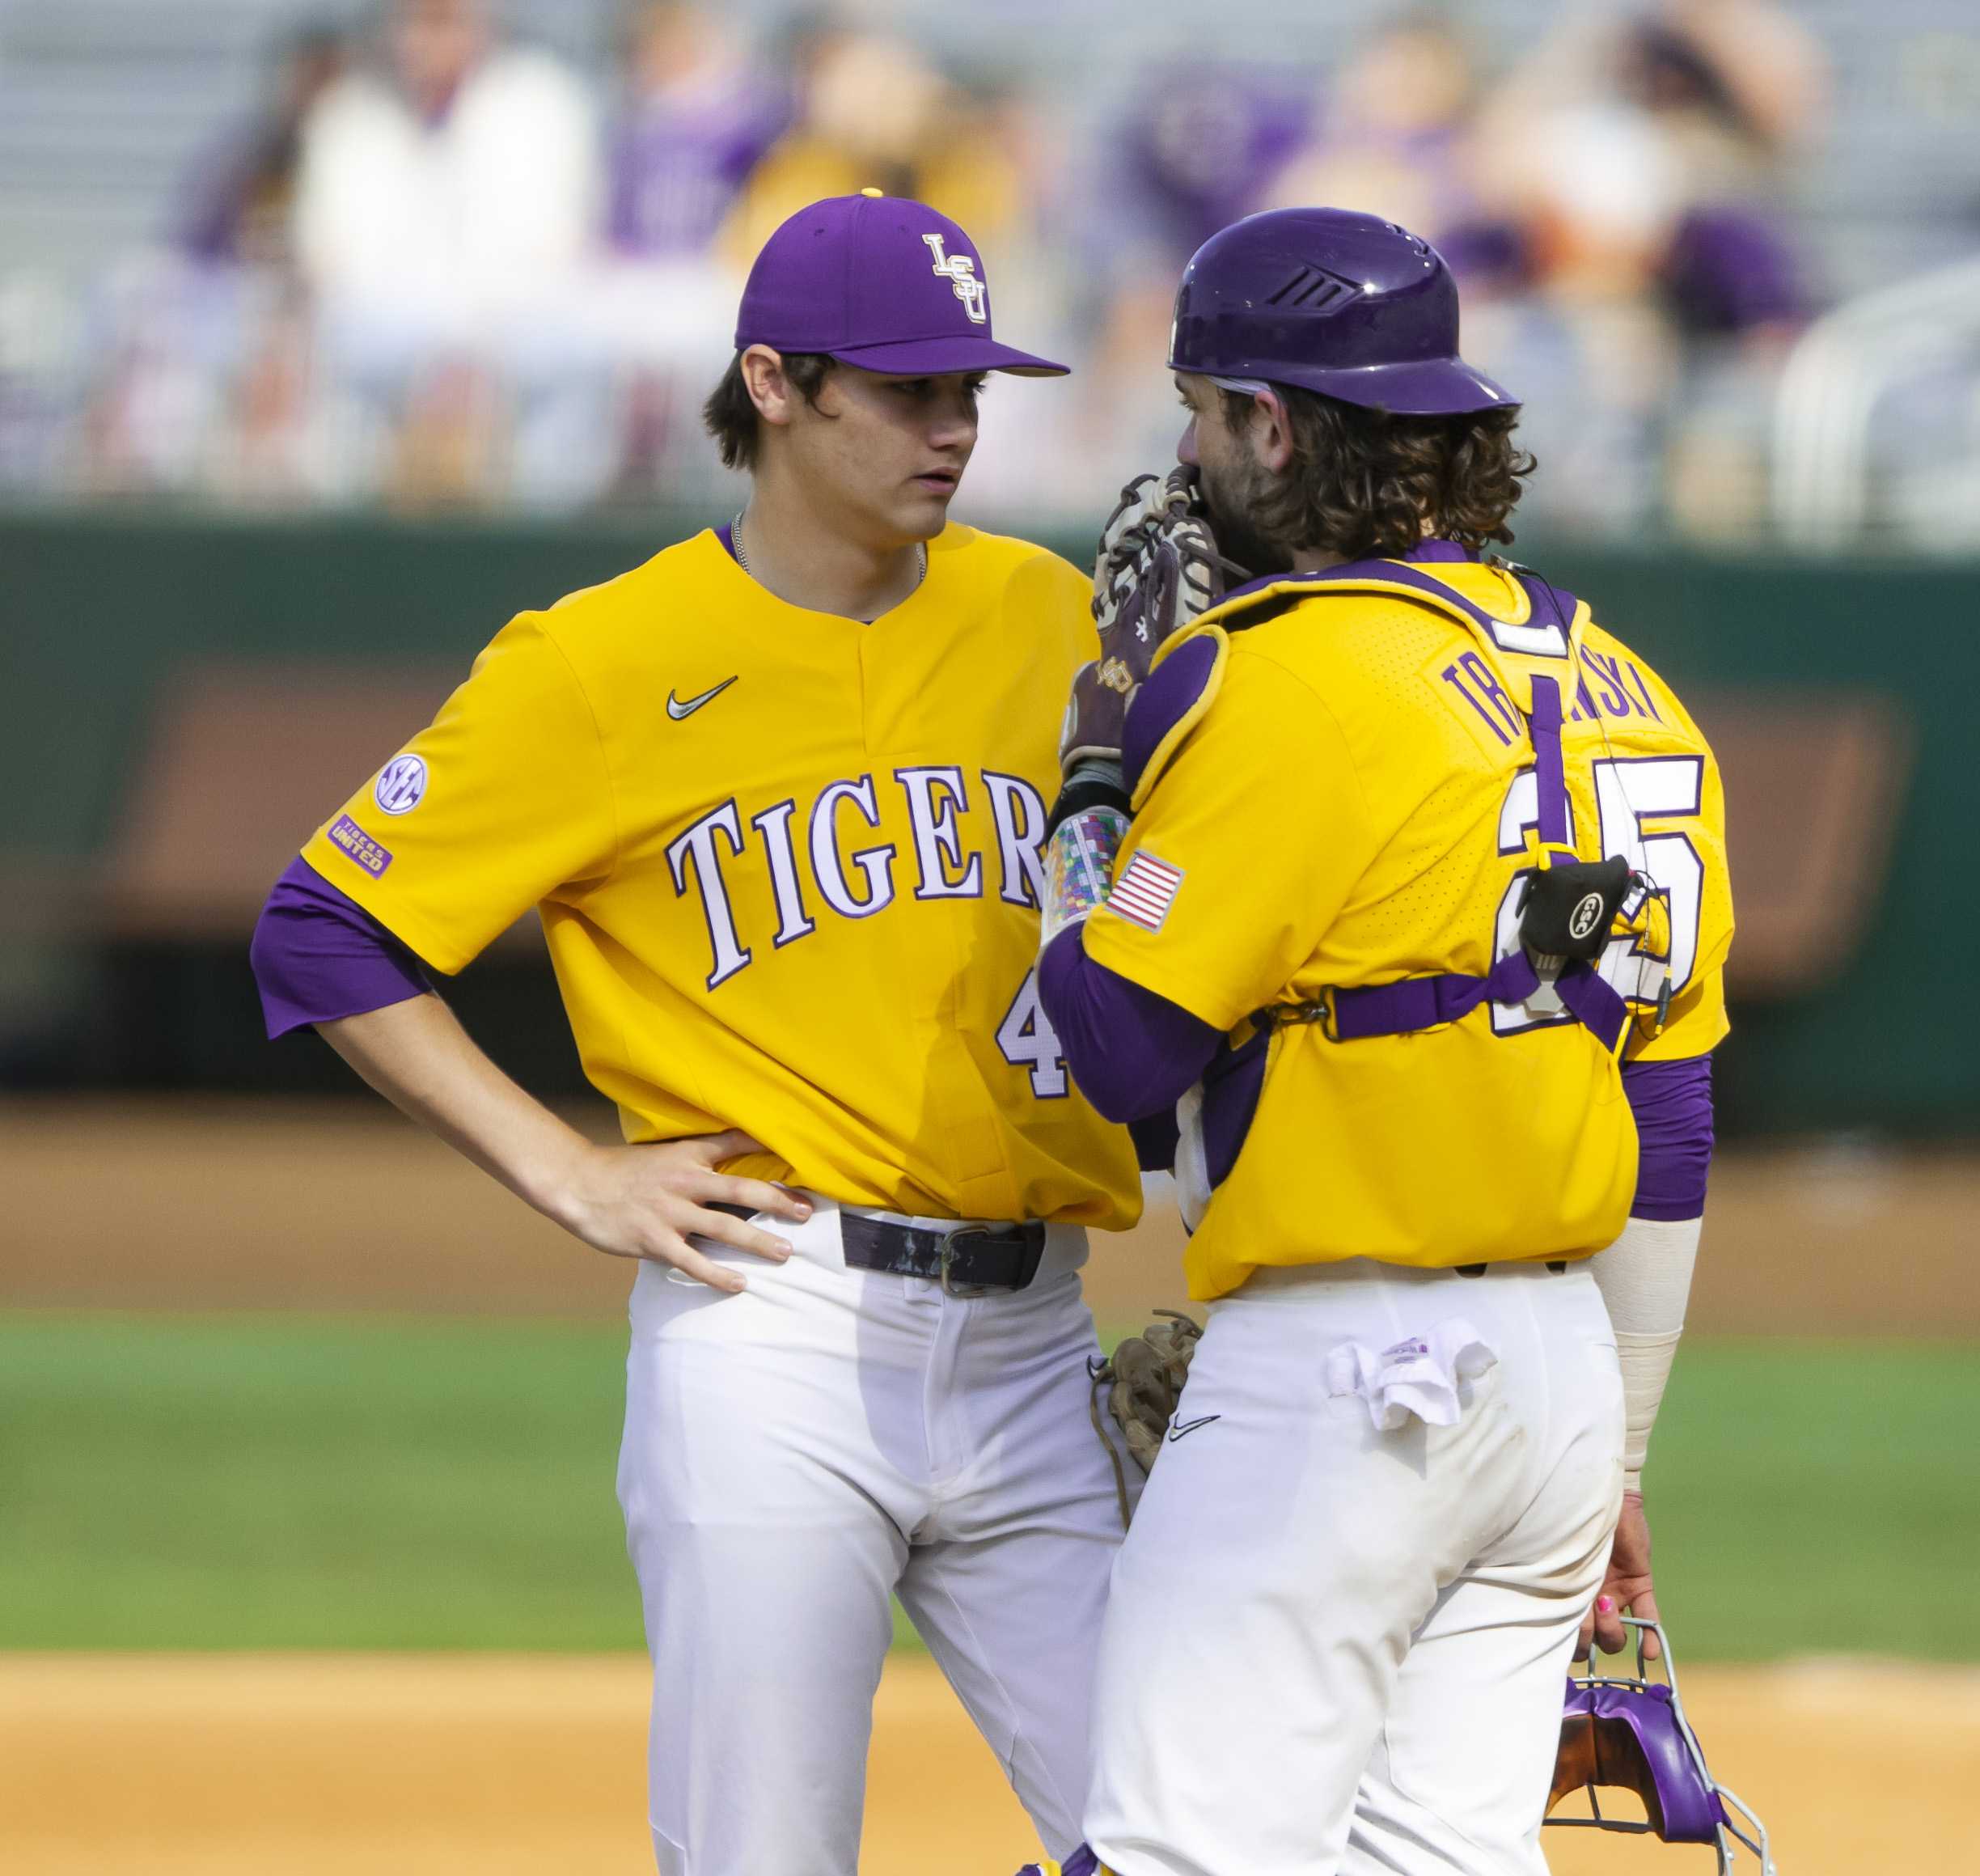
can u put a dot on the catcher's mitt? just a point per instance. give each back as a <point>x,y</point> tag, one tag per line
<point>1143,1380</point>
<point>1158,569</point>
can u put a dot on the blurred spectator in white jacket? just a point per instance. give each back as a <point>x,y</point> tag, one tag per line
<point>448,205</point>
<point>460,180</point>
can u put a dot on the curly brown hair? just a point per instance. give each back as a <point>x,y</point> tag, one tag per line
<point>1363,482</point>
<point>730,415</point>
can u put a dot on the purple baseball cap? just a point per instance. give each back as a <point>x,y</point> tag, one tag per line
<point>879,282</point>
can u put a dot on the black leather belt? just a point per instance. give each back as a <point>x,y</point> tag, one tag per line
<point>1556,1265</point>
<point>966,1260</point>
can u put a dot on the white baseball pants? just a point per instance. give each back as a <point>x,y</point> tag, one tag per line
<point>795,1452</point>
<point>1332,1650</point>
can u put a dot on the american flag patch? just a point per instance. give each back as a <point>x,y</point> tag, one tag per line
<point>1145,891</point>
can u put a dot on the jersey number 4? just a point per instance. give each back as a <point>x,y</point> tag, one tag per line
<point>1028,1041</point>
<point>1628,792</point>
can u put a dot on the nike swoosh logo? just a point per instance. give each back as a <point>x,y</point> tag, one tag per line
<point>680,712</point>
<point>1183,1426</point>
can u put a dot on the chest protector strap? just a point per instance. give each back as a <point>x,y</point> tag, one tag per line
<point>1401,1009</point>
<point>1571,907</point>
<point>1585,914</point>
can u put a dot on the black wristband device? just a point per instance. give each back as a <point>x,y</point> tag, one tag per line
<point>1567,911</point>
<point>1084,792</point>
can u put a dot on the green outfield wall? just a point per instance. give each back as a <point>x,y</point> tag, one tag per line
<point>97,610</point>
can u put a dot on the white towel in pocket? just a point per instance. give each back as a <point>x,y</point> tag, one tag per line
<point>1419,1374</point>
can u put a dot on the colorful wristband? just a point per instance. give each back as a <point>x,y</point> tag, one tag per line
<point>1079,867</point>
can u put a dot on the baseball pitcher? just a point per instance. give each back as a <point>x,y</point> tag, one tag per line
<point>1407,882</point>
<point>778,796</point>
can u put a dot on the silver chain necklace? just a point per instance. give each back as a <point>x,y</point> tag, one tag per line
<point>735,540</point>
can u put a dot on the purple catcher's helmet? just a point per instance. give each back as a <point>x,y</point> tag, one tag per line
<point>1346,304</point>
<point>1630,1732</point>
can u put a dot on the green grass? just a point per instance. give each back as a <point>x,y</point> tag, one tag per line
<point>271,1482</point>
<point>1808,1498</point>
<point>253,1482</point>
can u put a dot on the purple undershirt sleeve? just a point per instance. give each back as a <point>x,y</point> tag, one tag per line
<point>1673,1104</point>
<point>1133,1053</point>
<point>318,956</point>
<point>1155,1138</point>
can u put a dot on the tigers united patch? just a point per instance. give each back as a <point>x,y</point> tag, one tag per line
<point>346,833</point>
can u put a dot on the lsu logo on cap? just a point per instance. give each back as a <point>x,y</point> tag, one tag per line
<point>401,785</point>
<point>960,271</point>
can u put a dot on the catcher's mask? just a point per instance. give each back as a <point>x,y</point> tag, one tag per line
<point>1630,1731</point>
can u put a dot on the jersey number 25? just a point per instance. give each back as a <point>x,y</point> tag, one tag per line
<point>1628,792</point>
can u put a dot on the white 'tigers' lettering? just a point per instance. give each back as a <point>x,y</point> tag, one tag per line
<point>938,842</point>
<point>876,864</point>
<point>794,922</point>
<point>698,843</point>
<point>952,855</point>
<point>960,270</point>
<point>1018,810</point>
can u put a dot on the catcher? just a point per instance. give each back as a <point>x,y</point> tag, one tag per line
<point>1402,884</point>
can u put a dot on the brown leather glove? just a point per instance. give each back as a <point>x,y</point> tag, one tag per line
<point>1143,1380</point>
<point>1156,571</point>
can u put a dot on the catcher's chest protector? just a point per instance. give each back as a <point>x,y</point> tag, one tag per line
<point>1357,781</point>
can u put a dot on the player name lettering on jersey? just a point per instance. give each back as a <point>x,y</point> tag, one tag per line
<point>1610,686</point>
<point>791,838</point>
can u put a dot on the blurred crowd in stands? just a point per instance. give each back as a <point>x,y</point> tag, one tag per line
<point>443,269</point>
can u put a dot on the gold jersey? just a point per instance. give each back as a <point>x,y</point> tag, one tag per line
<point>787,865</point>
<point>1349,801</point>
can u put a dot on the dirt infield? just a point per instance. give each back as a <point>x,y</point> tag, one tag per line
<point>429,1766</point>
<point>335,1205</point>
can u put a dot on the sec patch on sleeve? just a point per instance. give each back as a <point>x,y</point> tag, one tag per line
<point>401,785</point>
<point>1145,891</point>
